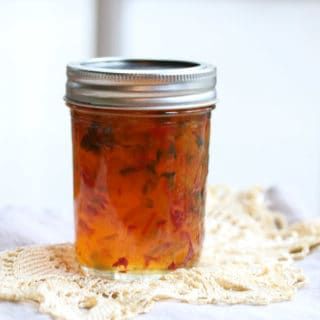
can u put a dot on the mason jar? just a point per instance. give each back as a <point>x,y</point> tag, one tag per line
<point>140,132</point>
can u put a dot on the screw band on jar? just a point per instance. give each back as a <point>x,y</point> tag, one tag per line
<point>139,84</point>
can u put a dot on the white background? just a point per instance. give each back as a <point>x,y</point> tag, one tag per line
<point>266,129</point>
<point>37,38</point>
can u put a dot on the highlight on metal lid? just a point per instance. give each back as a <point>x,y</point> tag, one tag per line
<point>137,84</point>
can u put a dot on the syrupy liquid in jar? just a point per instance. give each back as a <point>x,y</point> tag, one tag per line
<point>139,187</point>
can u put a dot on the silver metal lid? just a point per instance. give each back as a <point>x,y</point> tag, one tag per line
<point>137,84</point>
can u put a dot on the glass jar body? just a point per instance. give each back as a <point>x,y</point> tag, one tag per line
<point>139,188</point>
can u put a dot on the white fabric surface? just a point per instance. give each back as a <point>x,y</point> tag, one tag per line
<point>22,226</point>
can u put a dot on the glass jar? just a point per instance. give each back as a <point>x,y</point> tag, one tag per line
<point>140,131</point>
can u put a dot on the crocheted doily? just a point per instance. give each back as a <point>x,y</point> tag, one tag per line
<point>247,258</point>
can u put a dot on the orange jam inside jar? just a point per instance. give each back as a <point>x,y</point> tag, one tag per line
<point>140,146</point>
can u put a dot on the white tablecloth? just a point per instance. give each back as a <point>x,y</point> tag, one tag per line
<point>21,226</point>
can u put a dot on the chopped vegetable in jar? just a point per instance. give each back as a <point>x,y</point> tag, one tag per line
<point>139,187</point>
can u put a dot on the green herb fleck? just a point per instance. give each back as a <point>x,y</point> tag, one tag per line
<point>146,187</point>
<point>128,170</point>
<point>151,167</point>
<point>108,137</point>
<point>199,141</point>
<point>170,176</point>
<point>189,158</point>
<point>158,155</point>
<point>149,185</point>
<point>149,203</point>
<point>200,195</point>
<point>96,137</point>
<point>90,141</point>
<point>172,150</point>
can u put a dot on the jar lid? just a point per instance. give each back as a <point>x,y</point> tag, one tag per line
<point>137,84</point>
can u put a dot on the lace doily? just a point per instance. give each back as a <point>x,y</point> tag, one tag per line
<point>247,258</point>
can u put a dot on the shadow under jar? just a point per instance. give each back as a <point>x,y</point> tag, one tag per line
<point>140,131</point>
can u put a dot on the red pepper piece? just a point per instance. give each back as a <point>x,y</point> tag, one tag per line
<point>97,203</point>
<point>172,266</point>
<point>148,259</point>
<point>121,262</point>
<point>190,253</point>
<point>178,217</point>
<point>119,191</point>
<point>88,179</point>
<point>92,210</point>
<point>85,228</point>
<point>132,227</point>
<point>161,223</point>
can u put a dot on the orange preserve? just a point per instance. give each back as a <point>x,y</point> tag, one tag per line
<point>140,132</point>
